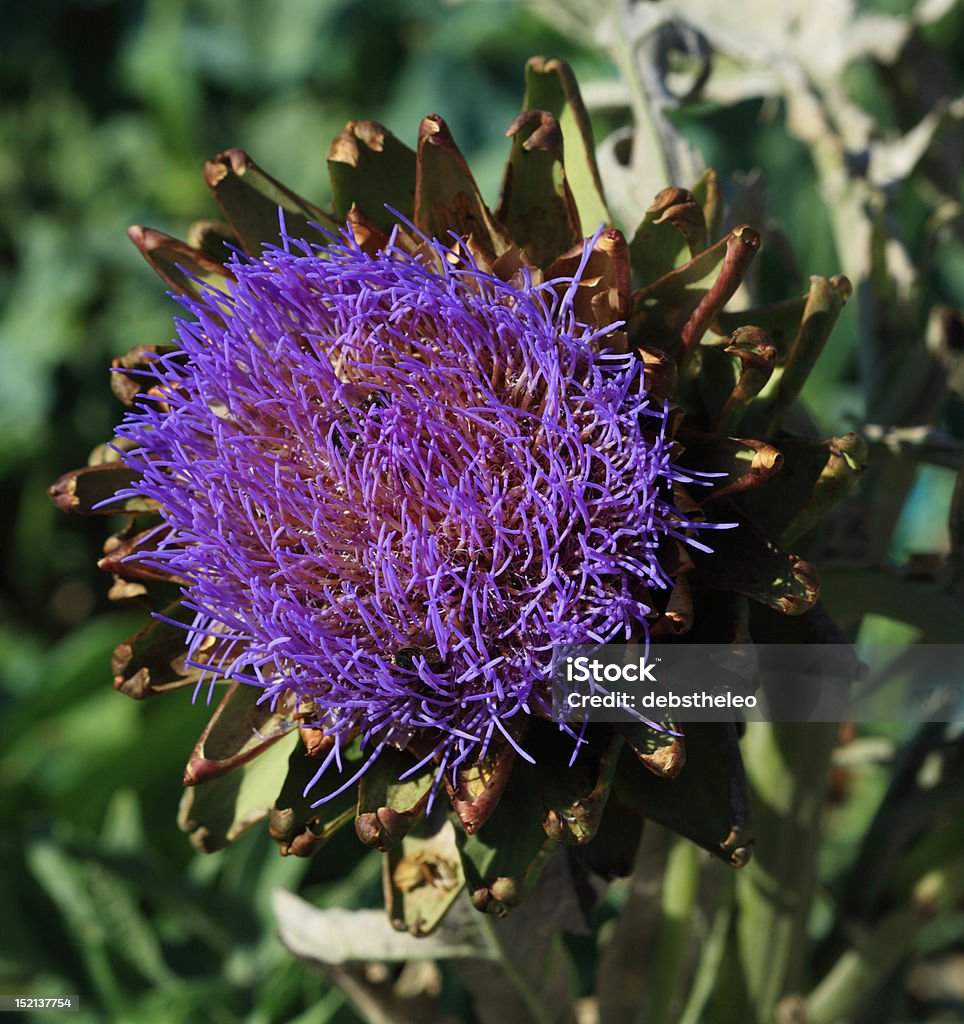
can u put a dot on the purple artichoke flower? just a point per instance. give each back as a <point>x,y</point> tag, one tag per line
<point>389,476</point>
<point>391,483</point>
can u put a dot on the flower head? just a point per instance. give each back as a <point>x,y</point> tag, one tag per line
<point>393,482</point>
<point>389,473</point>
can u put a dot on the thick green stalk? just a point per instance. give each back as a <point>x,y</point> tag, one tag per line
<point>647,134</point>
<point>787,768</point>
<point>708,971</point>
<point>680,885</point>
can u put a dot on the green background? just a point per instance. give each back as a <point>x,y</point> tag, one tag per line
<point>108,111</point>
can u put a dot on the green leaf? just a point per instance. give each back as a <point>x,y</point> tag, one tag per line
<point>745,463</point>
<point>551,86</point>
<point>212,237</point>
<point>748,562</point>
<point>648,990</point>
<point>787,768</point>
<point>152,661</point>
<point>423,875</point>
<point>706,191</point>
<point>129,929</point>
<point>82,491</point>
<point>815,476</point>
<point>388,805</point>
<point>126,386</point>
<point>706,802</point>
<point>674,312</point>
<point>296,826</point>
<point>531,975</point>
<point>673,226</point>
<point>447,199</point>
<point>370,169</point>
<point>612,851</point>
<point>506,854</point>
<point>799,329</point>
<point>661,752</point>
<point>780,322</point>
<point>852,593</point>
<point>109,453</point>
<point>120,549</point>
<point>186,269</point>
<point>250,199</point>
<point>574,796</point>
<point>240,729</point>
<point>215,813</point>
<point>64,880</point>
<point>536,204</point>
<point>825,301</point>
<point>732,374</point>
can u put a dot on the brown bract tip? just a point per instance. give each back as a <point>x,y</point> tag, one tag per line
<point>748,236</point>
<point>345,147</point>
<point>670,197</point>
<point>214,172</point>
<point>545,131</point>
<point>434,129</point>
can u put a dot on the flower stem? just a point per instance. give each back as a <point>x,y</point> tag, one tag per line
<point>517,982</point>
<point>644,117</point>
<point>712,953</point>
<point>680,886</point>
<point>787,766</point>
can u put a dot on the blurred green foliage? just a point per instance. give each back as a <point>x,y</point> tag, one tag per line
<point>107,110</point>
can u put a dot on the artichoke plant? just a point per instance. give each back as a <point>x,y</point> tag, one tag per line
<point>405,445</point>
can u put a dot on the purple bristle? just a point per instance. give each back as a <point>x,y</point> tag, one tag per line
<point>394,482</point>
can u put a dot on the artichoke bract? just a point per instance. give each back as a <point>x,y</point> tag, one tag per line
<point>404,446</point>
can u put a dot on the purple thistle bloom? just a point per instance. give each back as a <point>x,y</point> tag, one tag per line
<point>392,483</point>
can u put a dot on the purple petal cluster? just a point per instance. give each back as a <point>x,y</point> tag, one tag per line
<point>394,482</point>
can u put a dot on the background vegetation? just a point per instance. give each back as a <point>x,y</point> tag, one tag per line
<point>108,109</point>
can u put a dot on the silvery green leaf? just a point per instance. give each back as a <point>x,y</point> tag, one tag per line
<point>336,936</point>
